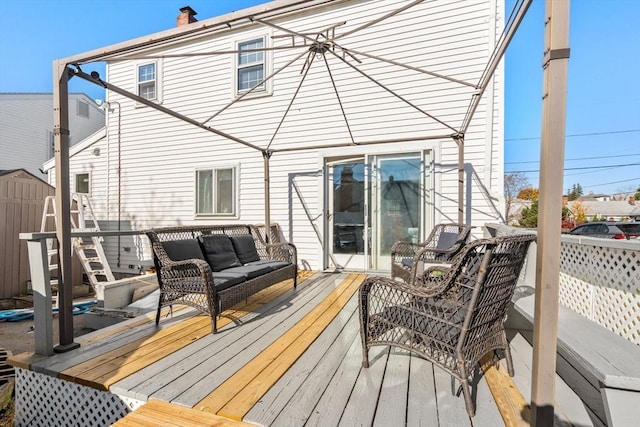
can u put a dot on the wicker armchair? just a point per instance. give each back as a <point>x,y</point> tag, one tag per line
<point>455,315</point>
<point>442,245</point>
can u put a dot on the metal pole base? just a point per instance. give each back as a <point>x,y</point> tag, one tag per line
<point>63,348</point>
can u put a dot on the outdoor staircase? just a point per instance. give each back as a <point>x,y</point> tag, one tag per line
<point>88,249</point>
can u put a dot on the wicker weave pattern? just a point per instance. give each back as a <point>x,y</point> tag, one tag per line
<point>453,316</point>
<point>190,282</point>
<point>426,252</point>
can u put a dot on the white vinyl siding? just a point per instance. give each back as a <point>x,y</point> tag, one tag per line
<point>161,153</point>
<point>26,128</point>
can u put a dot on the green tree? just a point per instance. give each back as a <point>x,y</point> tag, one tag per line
<point>637,195</point>
<point>529,218</point>
<point>575,192</point>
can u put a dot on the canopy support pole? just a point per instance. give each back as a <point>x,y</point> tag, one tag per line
<point>545,327</point>
<point>63,204</point>
<point>267,198</point>
<point>460,141</point>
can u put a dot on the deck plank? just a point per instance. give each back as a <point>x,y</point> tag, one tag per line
<point>361,406</point>
<point>569,408</point>
<point>311,372</point>
<point>318,386</point>
<point>451,408</point>
<point>155,413</point>
<point>422,406</point>
<point>188,391</point>
<point>392,402</point>
<point>103,371</point>
<point>153,378</point>
<point>228,401</point>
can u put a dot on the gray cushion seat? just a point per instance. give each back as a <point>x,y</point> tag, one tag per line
<point>224,280</point>
<point>273,265</point>
<point>248,271</point>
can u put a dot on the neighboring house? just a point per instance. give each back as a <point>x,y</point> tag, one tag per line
<point>26,127</point>
<point>610,210</point>
<point>342,203</point>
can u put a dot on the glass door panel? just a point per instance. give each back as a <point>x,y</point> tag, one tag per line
<point>346,214</point>
<point>398,213</point>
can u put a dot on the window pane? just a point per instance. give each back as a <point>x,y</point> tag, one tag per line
<point>249,77</point>
<point>250,57</point>
<point>82,183</point>
<point>147,72</point>
<point>147,90</point>
<point>204,191</point>
<point>224,191</point>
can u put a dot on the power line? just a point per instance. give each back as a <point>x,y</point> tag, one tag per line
<point>583,168</point>
<point>578,135</point>
<point>578,158</point>
<point>616,182</point>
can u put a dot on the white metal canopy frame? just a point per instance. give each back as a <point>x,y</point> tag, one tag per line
<point>329,45</point>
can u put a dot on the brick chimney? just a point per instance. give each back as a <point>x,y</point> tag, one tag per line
<point>187,16</point>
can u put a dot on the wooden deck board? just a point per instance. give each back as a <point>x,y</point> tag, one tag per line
<point>311,372</point>
<point>155,413</point>
<point>359,409</point>
<point>194,360</point>
<point>392,403</point>
<point>422,406</point>
<point>234,397</point>
<point>285,358</point>
<point>205,378</point>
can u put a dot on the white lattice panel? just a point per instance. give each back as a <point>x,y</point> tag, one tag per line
<point>576,294</point>
<point>44,401</point>
<point>601,280</point>
<point>619,312</point>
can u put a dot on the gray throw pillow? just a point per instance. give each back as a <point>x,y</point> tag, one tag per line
<point>218,251</point>
<point>180,250</point>
<point>245,248</point>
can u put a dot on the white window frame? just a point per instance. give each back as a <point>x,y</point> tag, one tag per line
<point>158,80</point>
<point>75,182</point>
<point>235,173</point>
<point>267,66</point>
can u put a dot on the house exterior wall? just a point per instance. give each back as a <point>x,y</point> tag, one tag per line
<point>26,123</point>
<point>159,154</point>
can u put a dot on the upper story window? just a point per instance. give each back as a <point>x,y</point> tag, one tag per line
<point>216,192</point>
<point>251,65</point>
<point>82,108</point>
<point>147,81</point>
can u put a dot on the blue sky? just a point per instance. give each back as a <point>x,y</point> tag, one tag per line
<point>602,151</point>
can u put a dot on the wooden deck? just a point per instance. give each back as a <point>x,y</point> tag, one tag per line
<point>285,358</point>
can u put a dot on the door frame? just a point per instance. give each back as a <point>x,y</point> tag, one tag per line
<point>431,206</point>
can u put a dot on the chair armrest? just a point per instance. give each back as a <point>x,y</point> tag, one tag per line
<point>283,251</point>
<point>405,248</point>
<point>173,273</point>
<point>378,284</point>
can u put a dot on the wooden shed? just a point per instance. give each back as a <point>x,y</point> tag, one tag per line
<point>22,198</point>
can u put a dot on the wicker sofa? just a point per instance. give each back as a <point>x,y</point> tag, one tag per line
<point>214,267</point>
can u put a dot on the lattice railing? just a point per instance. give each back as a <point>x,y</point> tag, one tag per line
<point>600,279</point>
<point>46,401</point>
